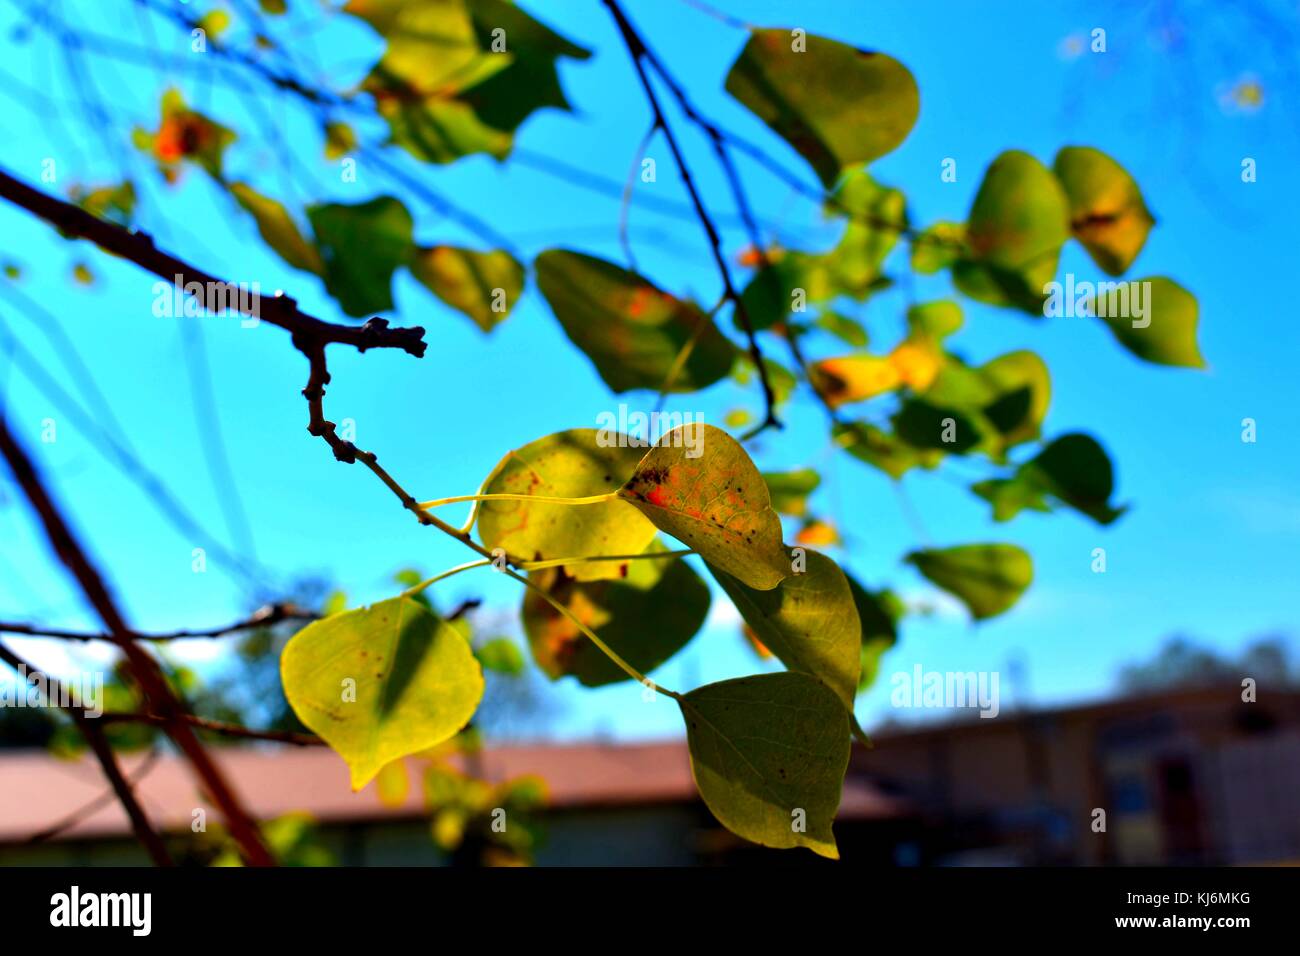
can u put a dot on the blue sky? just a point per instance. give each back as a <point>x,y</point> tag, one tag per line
<point>1209,547</point>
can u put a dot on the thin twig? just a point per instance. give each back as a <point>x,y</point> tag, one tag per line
<point>262,617</point>
<point>639,53</point>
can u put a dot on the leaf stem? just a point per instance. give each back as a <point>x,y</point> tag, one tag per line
<point>608,651</point>
<point>416,589</point>
<point>536,499</point>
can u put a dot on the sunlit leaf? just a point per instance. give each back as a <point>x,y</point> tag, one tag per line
<point>1166,334</point>
<point>381,682</point>
<point>845,328</point>
<point>769,755</point>
<point>483,285</point>
<point>632,331</point>
<point>836,105</point>
<point>875,215</point>
<point>698,485</point>
<point>938,247</point>
<point>360,246</point>
<point>790,489</point>
<point>878,448</point>
<point>645,618</point>
<point>459,77</point>
<point>115,203</point>
<point>501,655</point>
<point>576,463</point>
<point>1107,212</point>
<point>809,621</point>
<point>340,139</point>
<point>854,378</point>
<point>278,229</point>
<point>988,578</point>
<point>1018,222</point>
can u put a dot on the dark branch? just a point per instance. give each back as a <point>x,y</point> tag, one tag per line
<point>99,746</point>
<point>216,727</point>
<point>144,668</point>
<point>263,617</point>
<point>640,54</point>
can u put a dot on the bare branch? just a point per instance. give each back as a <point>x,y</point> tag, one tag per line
<point>99,746</point>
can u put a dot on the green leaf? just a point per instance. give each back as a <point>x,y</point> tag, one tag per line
<point>1007,397</point>
<point>988,578</point>
<point>381,682</point>
<point>875,215</point>
<point>879,612</point>
<point>836,105</point>
<point>278,229</point>
<point>482,285</point>
<point>789,490</point>
<point>789,280</point>
<point>1107,212</point>
<point>934,321</point>
<point>1166,334</point>
<point>924,425</point>
<point>1018,222</point>
<point>340,139</point>
<point>115,203</point>
<point>882,450</point>
<point>845,328</point>
<point>1073,469</point>
<point>632,331</point>
<point>501,655</point>
<point>769,755</point>
<point>1022,392</point>
<point>576,463</point>
<point>459,77</point>
<point>938,247</point>
<point>361,246</point>
<point>698,485</point>
<point>645,618</point>
<point>809,621</point>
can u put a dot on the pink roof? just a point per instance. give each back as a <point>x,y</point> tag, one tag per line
<point>38,791</point>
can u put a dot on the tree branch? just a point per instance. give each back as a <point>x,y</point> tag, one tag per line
<point>216,727</point>
<point>262,617</point>
<point>639,53</point>
<point>143,667</point>
<point>99,746</point>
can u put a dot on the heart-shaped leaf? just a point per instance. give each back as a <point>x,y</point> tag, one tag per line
<point>1018,222</point>
<point>631,330</point>
<point>278,229</point>
<point>482,285</point>
<point>1166,331</point>
<point>381,682</point>
<point>836,105</point>
<point>361,245</point>
<point>988,578</point>
<point>645,618</point>
<point>1107,212</point>
<point>769,755</point>
<point>576,463</point>
<point>809,621</point>
<point>698,485</point>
